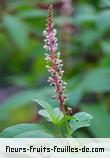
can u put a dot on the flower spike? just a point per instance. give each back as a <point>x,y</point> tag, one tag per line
<point>53,59</point>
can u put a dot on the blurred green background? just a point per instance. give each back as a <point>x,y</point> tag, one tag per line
<point>84,40</point>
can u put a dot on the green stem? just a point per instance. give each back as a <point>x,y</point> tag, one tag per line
<point>67,124</point>
<point>59,135</point>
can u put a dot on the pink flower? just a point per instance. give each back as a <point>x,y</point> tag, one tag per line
<point>53,59</point>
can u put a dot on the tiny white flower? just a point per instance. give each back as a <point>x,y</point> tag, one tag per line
<point>44,32</point>
<point>54,31</point>
<point>45,47</point>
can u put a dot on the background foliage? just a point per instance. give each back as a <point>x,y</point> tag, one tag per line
<point>84,37</point>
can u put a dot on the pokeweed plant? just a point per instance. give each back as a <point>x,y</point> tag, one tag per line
<point>60,120</point>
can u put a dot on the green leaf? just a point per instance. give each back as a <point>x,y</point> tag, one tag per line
<point>21,99</point>
<point>85,13</point>
<point>60,20</point>
<point>81,119</point>
<point>76,91</point>
<point>17,31</point>
<point>100,126</point>
<point>105,46</point>
<point>32,14</point>
<point>105,61</point>
<point>75,95</point>
<point>45,114</point>
<point>65,119</point>
<point>97,80</point>
<point>35,134</point>
<point>48,108</point>
<point>103,20</point>
<point>105,3</point>
<point>20,129</point>
<point>21,3</point>
<point>17,100</point>
<point>88,37</point>
<point>58,114</point>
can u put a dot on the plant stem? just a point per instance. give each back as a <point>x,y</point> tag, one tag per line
<point>59,132</point>
<point>55,66</point>
<point>67,124</point>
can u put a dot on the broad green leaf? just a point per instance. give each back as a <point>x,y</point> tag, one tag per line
<point>48,108</point>
<point>18,100</point>
<point>97,80</point>
<point>75,91</point>
<point>60,20</point>
<point>58,114</point>
<point>22,98</point>
<point>45,114</point>
<point>86,8</point>
<point>32,14</point>
<point>105,3</point>
<point>75,95</point>
<point>65,119</point>
<point>105,61</point>
<point>81,134</point>
<point>105,46</point>
<point>88,37</point>
<point>85,13</point>
<point>17,30</point>
<point>82,119</point>
<point>35,134</point>
<point>100,126</point>
<point>20,129</point>
<point>17,4</point>
<point>103,20</point>
<point>82,18</point>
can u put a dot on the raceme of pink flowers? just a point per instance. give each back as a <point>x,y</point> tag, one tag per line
<point>54,63</point>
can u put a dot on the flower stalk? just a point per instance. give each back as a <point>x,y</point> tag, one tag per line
<point>53,60</point>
